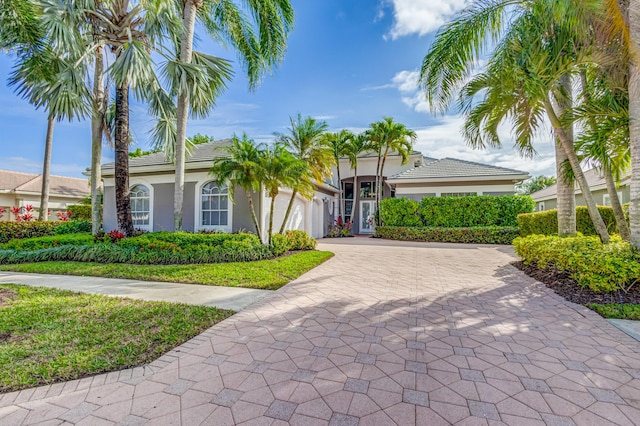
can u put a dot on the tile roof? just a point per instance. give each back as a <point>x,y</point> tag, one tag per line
<point>451,167</point>
<point>30,182</point>
<point>203,152</point>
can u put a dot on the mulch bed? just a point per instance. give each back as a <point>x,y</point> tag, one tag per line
<point>562,284</point>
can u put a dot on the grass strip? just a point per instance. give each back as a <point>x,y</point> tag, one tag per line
<point>617,311</point>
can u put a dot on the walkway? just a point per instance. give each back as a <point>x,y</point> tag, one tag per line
<point>232,298</point>
<point>381,334</point>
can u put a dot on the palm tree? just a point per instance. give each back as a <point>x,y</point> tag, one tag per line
<point>354,147</point>
<point>259,38</point>
<point>21,29</point>
<point>337,143</point>
<point>387,136</point>
<point>241,166</point>
<point>634,119</point>
<point>305,142</point>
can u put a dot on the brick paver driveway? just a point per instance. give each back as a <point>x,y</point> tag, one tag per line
<point>384,333</point>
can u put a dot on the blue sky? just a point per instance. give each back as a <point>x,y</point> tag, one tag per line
<point>348,62</point>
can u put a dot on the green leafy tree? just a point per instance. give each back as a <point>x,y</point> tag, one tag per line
<point>535,184</point>
<point>337,143</point>
<point>352,150</point>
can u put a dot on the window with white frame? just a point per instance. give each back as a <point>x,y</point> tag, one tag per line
<point>141,207</point>
<point>214,206</point>
<point>606,200</point>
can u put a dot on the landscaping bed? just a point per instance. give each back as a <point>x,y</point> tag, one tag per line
<point>49,335</point>
<point>472,235</point>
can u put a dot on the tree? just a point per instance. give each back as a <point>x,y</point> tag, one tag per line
<point>305,142</point>
<point>337,144</point>
<point>241,166</point>
<point>259,39</point>
<point>21,29</point>
<point>535,184</point>
<point>634,120</point>
<point>352,150</point>
<point>386,137</point>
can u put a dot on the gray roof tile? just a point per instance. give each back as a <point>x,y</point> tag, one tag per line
<point>452,167</point>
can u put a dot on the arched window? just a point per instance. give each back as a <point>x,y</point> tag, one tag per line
<point>141,207</point>
<point>215,207</point>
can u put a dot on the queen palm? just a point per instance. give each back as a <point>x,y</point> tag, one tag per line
<point>257,30</point>
<point>305,141</point>
<point>240,165</point>
<point>337,144</point>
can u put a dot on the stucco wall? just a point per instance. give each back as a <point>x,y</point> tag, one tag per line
<point>109,218</point>
<point>599,195</point>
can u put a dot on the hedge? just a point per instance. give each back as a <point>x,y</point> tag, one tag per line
<point>48,241</point>
<point>455,212</point>
<point>600,267</point>
<point>473,235</point>
<point>80,211</point>
<point>17,230</point>
<point>546,222</point>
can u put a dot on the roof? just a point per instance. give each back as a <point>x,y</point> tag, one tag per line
<point>18,182</point>
<point>594,179</point>
<point>453,168</point>
<point>202,152</point>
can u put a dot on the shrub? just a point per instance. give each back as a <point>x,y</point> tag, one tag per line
<point>546,222</point>
<point>339,228</point>
<point>47,242</point>
<point>80,211</point>
<point>474,235</point>
<point>600,267</point>
<point>400,212</point>
<point>300,240</point>
<point>13,230</point>
<point>72,227</point>
<point>279,244</point>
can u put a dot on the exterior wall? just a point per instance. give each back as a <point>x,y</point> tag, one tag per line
<point>109,218</point>
<point>163,207</point>
<point>367,166</point>
<point>488,188</point>
<point>599,195</point>
<point>56,204</point>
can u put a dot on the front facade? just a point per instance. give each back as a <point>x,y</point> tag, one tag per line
<point>207,204</point>
<point>19,189</point>
<point>547,199</point>
<point>419,177</point>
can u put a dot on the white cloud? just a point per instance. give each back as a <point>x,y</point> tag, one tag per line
<point>324,117</point>
<point>420,16</point>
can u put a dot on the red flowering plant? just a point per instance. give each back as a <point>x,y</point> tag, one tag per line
<point>2,212</point>
<point>339,228</point>
<point>115,236</point>
<point>24,213</point>
<point>64,216</point>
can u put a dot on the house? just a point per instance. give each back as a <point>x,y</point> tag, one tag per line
<point>206,203</point>
<point>419,177</point>
<point>547,199</point>
<point>19,189</point>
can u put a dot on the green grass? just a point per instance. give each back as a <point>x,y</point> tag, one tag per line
<point>617,310</point>
<point>49,335</point>
<point>263,274</point>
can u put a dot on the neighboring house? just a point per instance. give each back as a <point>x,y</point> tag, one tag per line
<point>21,189</point>
<point>547,199</point>
<point>420,177</point>
<point>206,204</point>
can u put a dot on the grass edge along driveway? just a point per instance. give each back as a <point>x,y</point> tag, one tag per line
<point>49,335</point>
<point>263,274</point>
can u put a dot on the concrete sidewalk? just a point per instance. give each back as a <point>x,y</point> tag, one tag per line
<point>222,297</point>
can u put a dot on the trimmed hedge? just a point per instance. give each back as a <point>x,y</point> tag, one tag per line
<point>455,212</point>
<point>546,222</point>
<point>80,211</point>
<point>474,235</point>
<point>48,241</point>
<point>18,230</point>
<point>600,267</point>
<point>291,241</point>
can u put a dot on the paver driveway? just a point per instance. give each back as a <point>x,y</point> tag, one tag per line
<point>384,333</point>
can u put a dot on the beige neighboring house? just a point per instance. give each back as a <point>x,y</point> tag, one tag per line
<point>19,189</point>
<point>547,199</point>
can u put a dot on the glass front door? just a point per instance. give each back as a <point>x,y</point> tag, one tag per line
<point>367,211</point>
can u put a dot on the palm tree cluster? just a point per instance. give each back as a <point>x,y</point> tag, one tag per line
<point>548,61</point>
<point>303,158</point>
<point>72,58</point>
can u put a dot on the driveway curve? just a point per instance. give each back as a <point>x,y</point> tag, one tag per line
<point>383,333</point>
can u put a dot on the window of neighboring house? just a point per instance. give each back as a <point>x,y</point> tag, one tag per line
<point>141,207</point>
<point>540,207</point>
<point>457,194</point>
<point>214,207</point>
<point>606,200</point>
<point>367,189</point>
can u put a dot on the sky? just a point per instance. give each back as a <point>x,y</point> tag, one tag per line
<point>349,63</point>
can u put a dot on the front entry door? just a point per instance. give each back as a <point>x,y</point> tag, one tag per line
<point>367,211</point>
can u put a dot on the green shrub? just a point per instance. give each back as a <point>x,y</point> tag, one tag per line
<point>546,222</point>
<point>48,241</point>
<point>279,244</point>
<point>73,227</point>
<point>80,211</point>
<point>473,235</point>
<point>600,267</point>
<point>400,212</point>
<point>13,230</point>
<point>300,240</point>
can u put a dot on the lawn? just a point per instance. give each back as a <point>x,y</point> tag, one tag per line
<point>49,335</point>
<point>262,274</point>
<point>617,311</point>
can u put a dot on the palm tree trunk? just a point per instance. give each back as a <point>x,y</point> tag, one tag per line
<point>182,113</point>
<point>378,173</point>
<point>121,142</point>
<point>567,144</point>
<point>46,171</point>
<point>634,121</point>
<point>340,193</point>
<point>253,215</point>
<point>356,193</point>
<point>381,188</point>
<point>566,196</point>
<point>97,123</point>
<point>271,209</point>
<point>618,213</point>
<point>288,212</point>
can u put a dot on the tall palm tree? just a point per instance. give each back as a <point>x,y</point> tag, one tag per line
<point>355,146</point>
<point>305,142</point>
<point>388,136</point>
<point>241,166</point>
<point>337,144</point>
<point>257,30</point>
<point>21,29</point>
<point>634,120</point>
